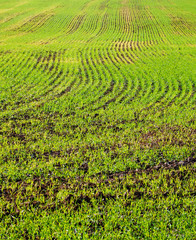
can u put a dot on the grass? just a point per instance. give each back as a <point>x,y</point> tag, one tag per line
<point>97,120</point>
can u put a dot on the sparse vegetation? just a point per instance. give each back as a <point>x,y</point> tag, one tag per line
<point>97,120</point>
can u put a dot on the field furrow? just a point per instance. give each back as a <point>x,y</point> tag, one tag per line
<point>97,119</point>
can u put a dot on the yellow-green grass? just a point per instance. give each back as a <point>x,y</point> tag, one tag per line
<point>97,120</point>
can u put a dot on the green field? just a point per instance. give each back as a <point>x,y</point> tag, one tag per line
<point>97,119</point>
